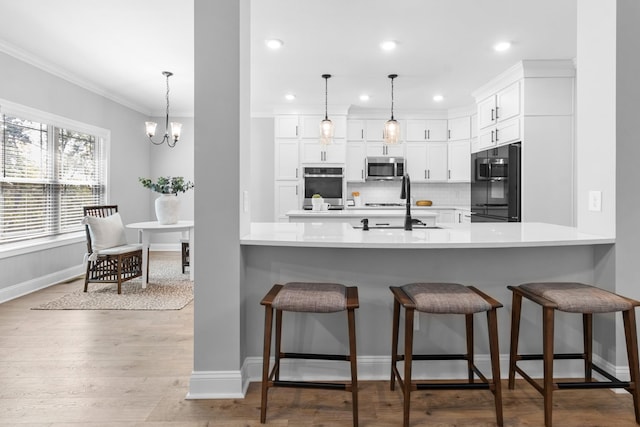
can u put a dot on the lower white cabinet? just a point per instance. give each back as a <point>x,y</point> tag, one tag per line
<point>462,216</point>
<point>287,198</point>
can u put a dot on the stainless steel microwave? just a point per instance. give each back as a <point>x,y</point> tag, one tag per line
<point>492,168</point>
<point>384,168</point>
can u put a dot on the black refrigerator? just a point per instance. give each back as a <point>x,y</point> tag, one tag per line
<point>495,184</point>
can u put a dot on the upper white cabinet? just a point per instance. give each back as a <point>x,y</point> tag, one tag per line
<point>314,152</point>
<point>426,130</point>
<point>287,126</point>
<point>383,149</point>
<point>437,167</point>
<point>459,128</point>
<point>374,129</point>
<point>500,106</point>
<point>355,130</point>
<point>311,126</point>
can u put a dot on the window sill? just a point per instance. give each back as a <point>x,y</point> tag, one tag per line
<point>26,247</point>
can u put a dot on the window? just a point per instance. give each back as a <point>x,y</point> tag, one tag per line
<point>49,170</point>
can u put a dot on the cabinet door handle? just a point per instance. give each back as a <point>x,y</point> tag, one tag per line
<point>425,174</point>
<point>492,136</point>
<point>296,189</point>
<point>492,114</point>
<point>425,134</point>
<point>496,135</point>
<point>361,133</point>
<point>296,172</point>
<point>459,218</point>
<point>362,173</point>
<point>449,174</point>
<point>296,130</point>
<point>428,134</point>
<point>497,117</point>
<point>428,174</point>
<point>449,134</point>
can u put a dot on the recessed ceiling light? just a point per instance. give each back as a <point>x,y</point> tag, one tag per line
<point>388,45</point>
<point>289,97</point>
<point>274,43</point>
<point>501,46</point>
<point>438,98</point>
<point>364,97</point>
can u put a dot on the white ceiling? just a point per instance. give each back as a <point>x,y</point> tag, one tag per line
<point>120,47</point>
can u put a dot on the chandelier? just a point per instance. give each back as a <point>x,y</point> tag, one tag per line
<point>326,126</point>
<point>391,126</point>
<point>176,127</point>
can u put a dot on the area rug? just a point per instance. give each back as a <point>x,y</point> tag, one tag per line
<point>168,289</point>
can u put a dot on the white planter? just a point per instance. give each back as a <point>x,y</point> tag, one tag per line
<point>168,209</point>
<point>316,203</point>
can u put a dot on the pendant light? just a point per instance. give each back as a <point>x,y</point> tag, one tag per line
<point>392,127</point>
<point>326,126</point>
<point>176,127</point>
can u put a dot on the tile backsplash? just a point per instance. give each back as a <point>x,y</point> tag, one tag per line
<point>443,194</point>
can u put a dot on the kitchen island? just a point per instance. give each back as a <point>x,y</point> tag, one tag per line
<point>489,256</point>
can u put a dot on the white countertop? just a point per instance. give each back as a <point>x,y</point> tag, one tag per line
<point>357,213</point>
<point>476,235</point>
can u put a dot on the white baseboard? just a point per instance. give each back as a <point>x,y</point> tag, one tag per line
<point>217,385</point>
<point>24,288</point>
<point>234,384</point>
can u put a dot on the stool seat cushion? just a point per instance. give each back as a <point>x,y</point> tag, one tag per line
<point>578,297</point>
<point>311,297</point>
<point>442,298</point>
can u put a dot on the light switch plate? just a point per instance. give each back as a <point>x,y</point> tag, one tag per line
<point>595,201</point>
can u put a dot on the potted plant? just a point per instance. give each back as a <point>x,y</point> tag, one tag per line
<point>168,204</point>
<point>316,202</point>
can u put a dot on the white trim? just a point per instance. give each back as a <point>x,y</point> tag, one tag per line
<point>217,385</point>
<point>24,288</point>
<point>23,247</point>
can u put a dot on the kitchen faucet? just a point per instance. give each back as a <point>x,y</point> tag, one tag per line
<point>405,193</point>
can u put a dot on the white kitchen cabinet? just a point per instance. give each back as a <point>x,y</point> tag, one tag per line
<point>437,167</point>
<point>500,106</point>
<point>287,198</point>
<point>311,126</point>
<point>355,158</point>
<point>286,159</point>
<point>459,128</point>
<point>383,149</point>
<point>416,161</point>
<point>355,130</point>
<point>314,152</point>
<point>500,134</point>
<point>287,126</point>
<point>446,216</point>
<point>459,161</point>
<point>426,130</point>
<point>374,129</point>
<point>474,126</point>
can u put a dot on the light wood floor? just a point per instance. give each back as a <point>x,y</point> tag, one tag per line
<point>132,368</point>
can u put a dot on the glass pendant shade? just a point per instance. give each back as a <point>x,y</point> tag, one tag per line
<point>176,129</point>
<point>391,131</point>
<point>151,128</point>
<point>326,131</point>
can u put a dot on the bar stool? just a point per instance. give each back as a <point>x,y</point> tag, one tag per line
<point>308,298</point>
<point>572,298</point>
<point>444,298</point>
<point>185,253</point>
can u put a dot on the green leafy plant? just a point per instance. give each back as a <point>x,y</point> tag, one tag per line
<point>316,196</point>
<point>167,184</point>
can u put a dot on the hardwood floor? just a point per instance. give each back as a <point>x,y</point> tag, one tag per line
<point>132,368</point>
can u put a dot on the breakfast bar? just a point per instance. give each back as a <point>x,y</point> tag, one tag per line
<point>489,256</point>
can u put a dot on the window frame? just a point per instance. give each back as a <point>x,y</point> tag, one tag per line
<point>8,249</point>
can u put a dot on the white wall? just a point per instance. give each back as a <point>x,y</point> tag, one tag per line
<point>262,173</point>
<point>27,85</point>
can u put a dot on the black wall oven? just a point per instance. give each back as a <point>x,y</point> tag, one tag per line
<point>495,184</point>
<point>325,181</point>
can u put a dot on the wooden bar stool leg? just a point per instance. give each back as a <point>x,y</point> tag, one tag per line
<point>470,353</point>
<point>354,364</point>
<point>494,351</point>
<point>516,309</point>
<point>266,350</point>
<point>547,350</point>
<point>394,342</point>
<point>587,336</point>
<point>278,350</point>
<point>408,358</point>
<point>629,319</point>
